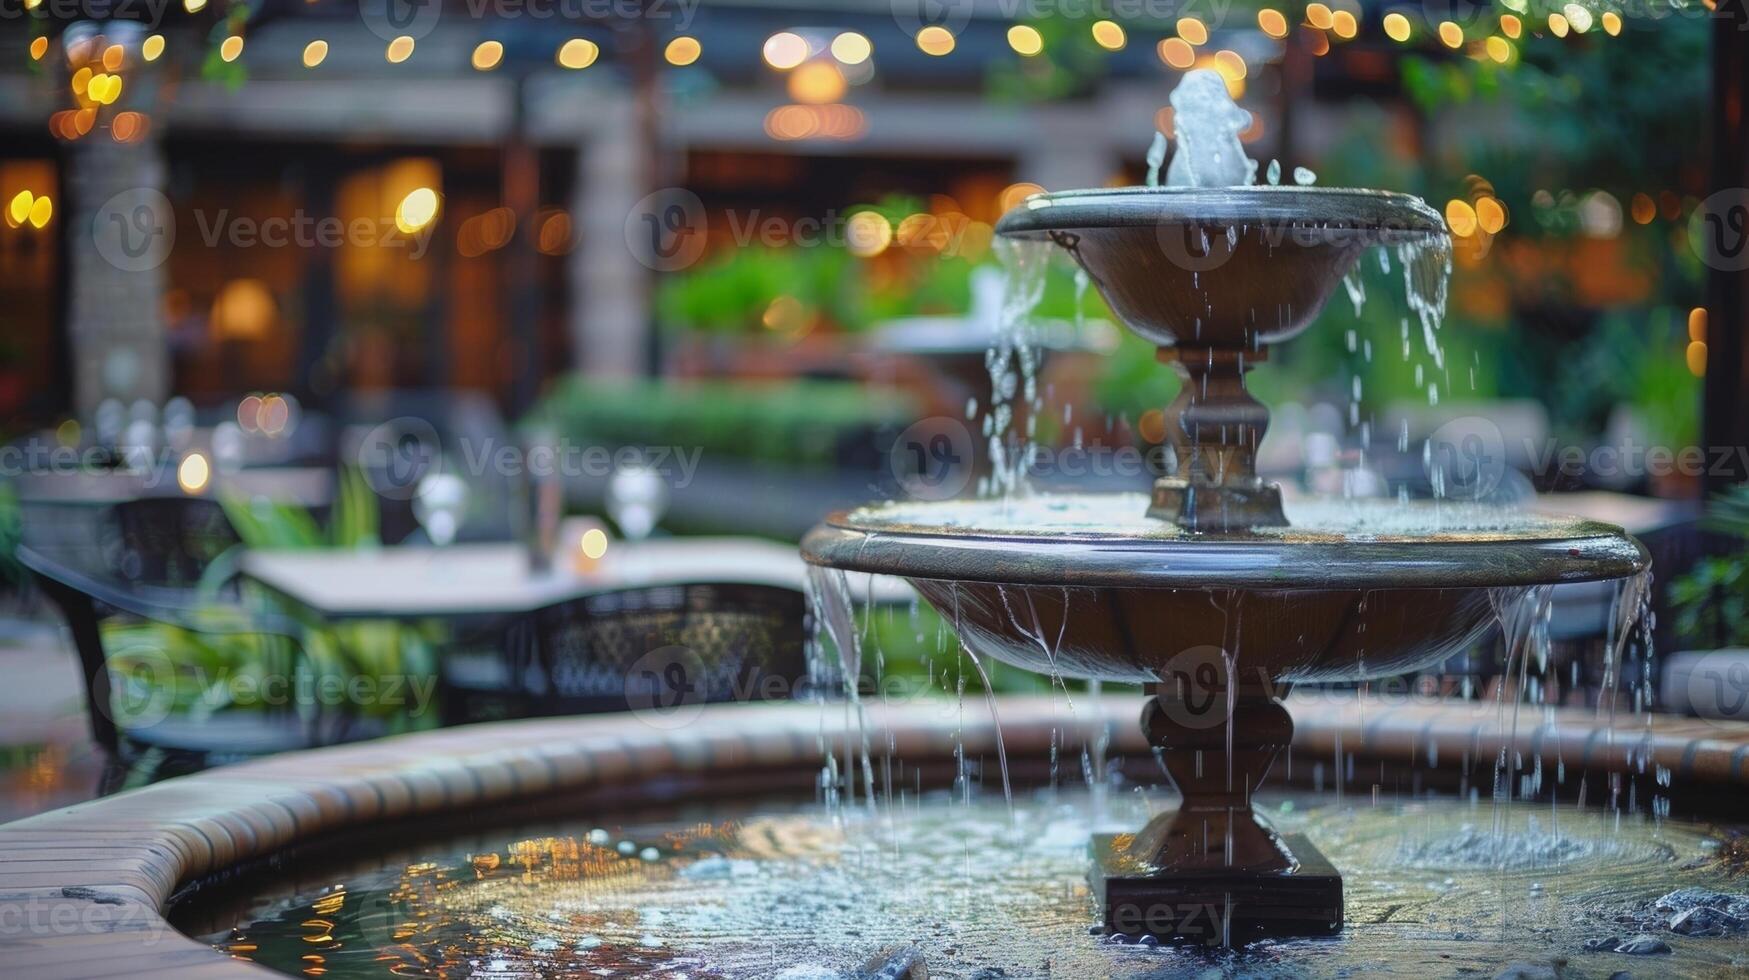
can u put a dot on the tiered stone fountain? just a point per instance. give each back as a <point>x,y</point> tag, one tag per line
<point>1211,593</point>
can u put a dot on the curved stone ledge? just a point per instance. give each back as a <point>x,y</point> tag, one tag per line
<point>83,889</point>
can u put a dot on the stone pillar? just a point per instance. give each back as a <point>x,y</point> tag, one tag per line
<point>610,288</point>
<point>1079,153</point>
<point>120,229</point>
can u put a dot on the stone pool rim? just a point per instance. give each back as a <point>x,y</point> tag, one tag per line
<point>1570,550</point>
<point>84,890</point>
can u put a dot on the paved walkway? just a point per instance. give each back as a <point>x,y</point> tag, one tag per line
<point>47,759</point>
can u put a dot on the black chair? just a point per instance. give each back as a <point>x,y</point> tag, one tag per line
<point>656,650</point>
<point>167,561</point>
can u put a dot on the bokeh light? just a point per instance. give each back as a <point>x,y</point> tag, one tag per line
<point>785,50</point>
<point>1025,40</point>
<point>682,51</point>
<point>578,53</point>
<point>936,41</point>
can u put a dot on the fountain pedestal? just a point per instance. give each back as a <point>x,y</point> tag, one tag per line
<point>1211,871</point>
<point>1213,428</point>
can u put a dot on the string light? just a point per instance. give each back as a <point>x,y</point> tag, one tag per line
<point>1109,35</point>
<point>578,53</point>
<point>851,48</point>
<point>683,51</point>
<point>18,209</point>
<point>936,41</point>
<point>193,473</point>
<point>1490,215</point>
<point>1177,53</point>
<point>785,50</point>
<point>487,55</point>
<point>416,210</point>
<point>1230,65</point>
<point>1026,41</point>
<point>1460,217</point>
<point>1695,354</point>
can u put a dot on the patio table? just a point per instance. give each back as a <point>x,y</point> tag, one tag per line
<point>482,580</point>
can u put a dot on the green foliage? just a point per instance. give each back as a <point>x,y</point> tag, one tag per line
<point>911,649</point>
<point>796,423</point>
<point>190,672</point>
<point>1729,512</point>
<point>214,661</point>
<point>1712,603</point>
<point>213,67</point>
<point>1071,64</point>
<point>730,293</point>
<point>1631,357</point>
<point>261,523</point>
<point>11,532</point>
<point>1627,108</point>
<point>1712,600</point>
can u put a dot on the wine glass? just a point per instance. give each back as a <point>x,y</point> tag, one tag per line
<point>438,503</point>
<point>636,498</point>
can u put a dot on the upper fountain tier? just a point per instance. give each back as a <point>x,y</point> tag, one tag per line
<point>1211,275</point>
<point>1227,268</point>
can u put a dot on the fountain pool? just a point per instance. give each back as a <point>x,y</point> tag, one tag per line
<point>779,888</point>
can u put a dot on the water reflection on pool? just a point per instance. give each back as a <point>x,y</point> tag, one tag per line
<point>1434,888</point>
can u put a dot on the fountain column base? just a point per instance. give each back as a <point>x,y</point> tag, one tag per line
<point>1217,907</point>
<point>1211,871</point>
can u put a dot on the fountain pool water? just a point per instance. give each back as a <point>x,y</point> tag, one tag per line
<point>782,889</point>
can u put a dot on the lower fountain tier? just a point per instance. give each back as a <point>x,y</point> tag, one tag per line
<point>1085,586</point>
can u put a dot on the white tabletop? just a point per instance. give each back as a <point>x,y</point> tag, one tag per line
<point>1634,514</point>
<point>486,579</point>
